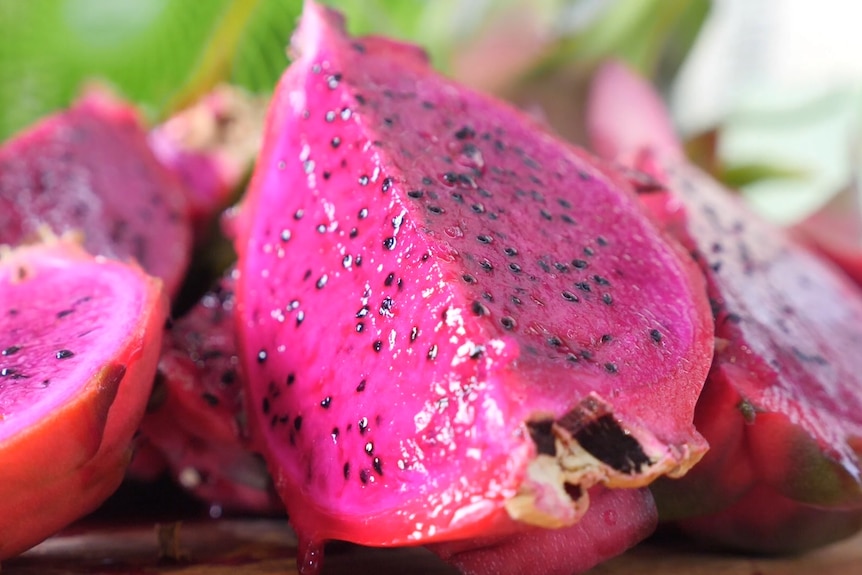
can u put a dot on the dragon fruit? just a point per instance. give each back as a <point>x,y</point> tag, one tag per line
<point>451,323</point>
<point>90,168</point>
<point>211,147</point>
<point>79,343</point>
<point>781,407</point>
<point>198,422</point>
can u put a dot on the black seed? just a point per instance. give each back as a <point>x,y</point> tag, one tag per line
<point>363,311</point>
<point>291,378</point>
<point>545,267</point>
<point>572,358</point>
<point>510,251</point>
<point>264,406</point>
<point>580,264</point>
<point>507,322</point>
<point>545,214</point>
<point>583,286</point>
<point>611,367</point>
<point>326,174</point>
<point>346,470</point>
<point>486,265</point>
<point>606,338</point>
<point>364,475</point>
<point>359,327</point>
<point>484,239</point>
<point>415,194</point>
<point>600,240</point>
<point>389,243</point>
<point>569,296</point>
<point>435,210</point>
<point>432,352</point>
<point>488,296</point>
<point>285,235</point>
<point>8,372</point>
<point>479,309</point>
<point>601,281</point>
<point>353,233</point>
<point>567,218</point>
<point>468,279</point>
<point>64,313</point>
<point>387,183</point>
<point>516,300</point>
<point>363,427</point>
<point>210,398</point>
<point>386,305</point>
<point>300,317</point>
<point>450,177</point>
<point>261,356</point>
<point>326,402</point>
<point>465,132</point>
<point>361,387</point>
<point>515,267</point>
<point>655,335</point>
<point>363,213</point>
<point>589,251</point>
<point>321,228</point>
<point>11,350</point>
<point>330,116</point>
<point>321,281</point>
<point>347,261</point>
<point>554,341</point>
<point>478,208</point>
<point>377,345</point>
<point>228,377</point>
<point>606,297</point>
<point>332,81</point>
<point>64,354</point>
<point>335,142</point>
<point>427,181</point>
<point>297,215</point>
<point>414,333</point>
<point>363,180</point>
<point>297,422</point>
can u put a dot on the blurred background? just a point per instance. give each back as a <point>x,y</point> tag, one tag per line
<point>768,93</point>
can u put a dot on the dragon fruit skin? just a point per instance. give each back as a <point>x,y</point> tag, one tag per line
<point>198,422</point>
<point>781,407</point>
<point>439,302</point>
<point>74,383</point>
<point>90,168</point>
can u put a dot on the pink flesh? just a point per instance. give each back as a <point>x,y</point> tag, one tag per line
<point>616,521</point>
<point>53,337</point>
<point>390,396</point>
<point>790,322</point>
<point>90,169</point>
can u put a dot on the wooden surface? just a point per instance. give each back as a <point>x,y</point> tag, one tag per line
<point>266,547</point>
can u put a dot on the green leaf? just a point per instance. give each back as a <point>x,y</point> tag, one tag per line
<point>741,175</point>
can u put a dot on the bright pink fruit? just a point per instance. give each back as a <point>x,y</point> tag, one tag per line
<point>79,342</point>
<point>782,408</point>
<point>90,169</point>
<point>448,318</point>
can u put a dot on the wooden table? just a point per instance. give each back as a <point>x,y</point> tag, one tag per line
<point>267,546</point>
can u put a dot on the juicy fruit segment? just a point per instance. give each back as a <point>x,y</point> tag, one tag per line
<point>90,169</point>
<point>79,341</point>
<point>448,318</point>
<point>198,422</point>
<point>781,408</point>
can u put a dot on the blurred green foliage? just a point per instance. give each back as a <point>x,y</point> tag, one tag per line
<point>162,54</point>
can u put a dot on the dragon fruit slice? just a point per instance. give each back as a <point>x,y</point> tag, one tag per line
<point>79,343</point>
<point>90,168</point>
<point>211,147</point>
<point>448,318</point>
<point>199,424</point>
<point>782,408</point>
